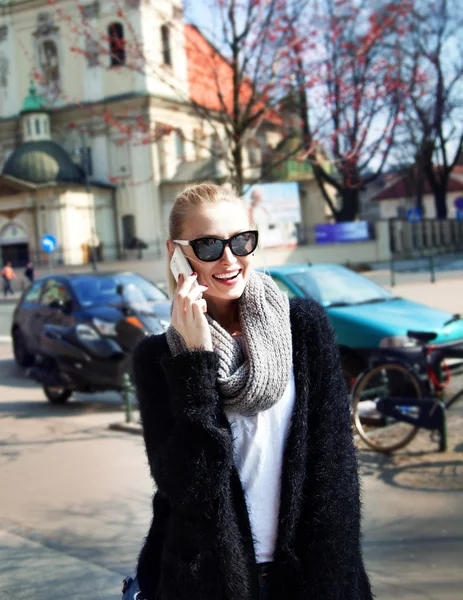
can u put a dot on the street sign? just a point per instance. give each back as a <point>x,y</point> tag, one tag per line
<point>459,214</point>
<point>49,243</point>
<point>458,203</point>
<point>414,215</point>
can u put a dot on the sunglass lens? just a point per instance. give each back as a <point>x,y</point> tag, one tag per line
<point>208,249</point>
<point>244,243</point>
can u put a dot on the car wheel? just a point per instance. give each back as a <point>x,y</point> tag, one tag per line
<point>22,355</point>
<point>56,394</point>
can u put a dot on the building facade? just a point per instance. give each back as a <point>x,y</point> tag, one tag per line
<point>115,84</point>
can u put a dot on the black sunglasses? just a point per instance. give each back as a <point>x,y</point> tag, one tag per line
<point>209,249</point>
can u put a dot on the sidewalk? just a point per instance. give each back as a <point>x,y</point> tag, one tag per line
<point>10,299</point>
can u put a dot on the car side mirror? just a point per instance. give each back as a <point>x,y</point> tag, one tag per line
<point>57,304</point>
<point>65,307</point>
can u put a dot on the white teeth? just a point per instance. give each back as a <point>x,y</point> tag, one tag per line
<point>226,275</point>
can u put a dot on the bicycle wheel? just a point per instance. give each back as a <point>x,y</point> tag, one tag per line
<point>389,380</point>
<point>454,399</point>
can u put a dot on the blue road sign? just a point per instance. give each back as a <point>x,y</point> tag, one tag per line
<point>414,215</point>
<point>49,243</point>
<point>459,214</point>
<point>458,202</point>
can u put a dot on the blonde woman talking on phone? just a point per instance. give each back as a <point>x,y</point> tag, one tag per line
<point>247,430</point>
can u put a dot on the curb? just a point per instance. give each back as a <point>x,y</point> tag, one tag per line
<point>133,428</point>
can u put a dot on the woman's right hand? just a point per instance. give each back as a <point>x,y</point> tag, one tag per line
<point>188,316</point>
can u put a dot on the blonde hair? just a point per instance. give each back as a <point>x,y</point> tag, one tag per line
<point>191,199</point>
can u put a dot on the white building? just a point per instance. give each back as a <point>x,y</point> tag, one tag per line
<point>133,126</point>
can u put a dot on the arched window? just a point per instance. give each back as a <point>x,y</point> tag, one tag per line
<point>49,63</point>
<point>165,39</point>
<point>37,126</point>
<point>116,44</point>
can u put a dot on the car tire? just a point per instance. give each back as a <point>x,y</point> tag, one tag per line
<point>57,395</point>
<point>21,353</point>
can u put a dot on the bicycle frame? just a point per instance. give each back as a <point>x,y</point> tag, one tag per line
<point>433,375</point>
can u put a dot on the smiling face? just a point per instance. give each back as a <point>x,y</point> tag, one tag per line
<point>226,277</point>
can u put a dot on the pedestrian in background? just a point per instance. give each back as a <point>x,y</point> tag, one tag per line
<point>246,422</point>
<point>29,272</point>
<point>8,275</point>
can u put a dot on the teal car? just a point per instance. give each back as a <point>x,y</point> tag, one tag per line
<point>364,315</point>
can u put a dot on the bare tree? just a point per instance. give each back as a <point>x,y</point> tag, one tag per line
<point>232,70</point>
<point>346,64</point>
<point>433,127</point>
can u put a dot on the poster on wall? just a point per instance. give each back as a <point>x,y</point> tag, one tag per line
<point>335,233</point>
<point>275,210</point>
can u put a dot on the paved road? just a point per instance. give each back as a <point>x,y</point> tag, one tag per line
<point>6,312</point>
<point>75,504</point>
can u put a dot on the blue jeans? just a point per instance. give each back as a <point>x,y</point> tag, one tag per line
<point>264,574</point>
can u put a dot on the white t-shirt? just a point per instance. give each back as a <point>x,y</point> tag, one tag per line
<point>258,446</point>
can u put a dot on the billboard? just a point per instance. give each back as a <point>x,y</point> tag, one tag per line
<point>274,211</point>
<point>353,231</point>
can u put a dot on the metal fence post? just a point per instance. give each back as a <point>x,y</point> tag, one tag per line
<point>392,272</point>
<point>126,393</point>
<point>432,269</point>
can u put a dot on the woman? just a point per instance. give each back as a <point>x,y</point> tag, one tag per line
<point>247,430</point>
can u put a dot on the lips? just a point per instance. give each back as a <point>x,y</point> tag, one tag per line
<point>227,275</point>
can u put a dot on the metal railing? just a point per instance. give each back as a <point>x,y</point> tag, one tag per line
<point>424,238</point>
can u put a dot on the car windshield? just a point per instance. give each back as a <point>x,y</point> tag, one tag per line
<point>94,290</point>
<point>339,286</point>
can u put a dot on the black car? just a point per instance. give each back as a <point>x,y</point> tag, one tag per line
<point>97,304</point>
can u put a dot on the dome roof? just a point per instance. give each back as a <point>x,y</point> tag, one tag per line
<point>43,162</point>
<point>33,102</point>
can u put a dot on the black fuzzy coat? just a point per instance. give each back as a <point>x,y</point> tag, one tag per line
<point>199,546</point>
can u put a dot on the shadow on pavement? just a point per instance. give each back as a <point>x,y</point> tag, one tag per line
<point>33,409</point>
<point>424,471</point>
<point>13,376</point>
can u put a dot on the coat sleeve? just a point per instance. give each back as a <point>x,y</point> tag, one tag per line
<point>336,513</point>
<point>189,452</point>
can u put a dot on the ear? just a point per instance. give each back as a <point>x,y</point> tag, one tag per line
<point>170,248</point>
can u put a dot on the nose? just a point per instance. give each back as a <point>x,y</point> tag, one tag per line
<point>228,256</point>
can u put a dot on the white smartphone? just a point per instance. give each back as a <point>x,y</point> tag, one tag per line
<point>179,264</point>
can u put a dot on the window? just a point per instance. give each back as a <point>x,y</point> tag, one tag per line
<point>37,126</point>
<point>284,287</point>
<point>116,44</point>
<point>48,54</point>
<point>165,39</point>
<point>45,126</point>
<point>179,145</point>
<point>128,230</point>
<point>33,295</point>
<point>92,50</point>
<point>94,290</point>
<point>86,160</point>
<point>55,289</point>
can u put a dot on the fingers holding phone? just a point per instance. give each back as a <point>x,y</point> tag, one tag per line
<point>188,313</point>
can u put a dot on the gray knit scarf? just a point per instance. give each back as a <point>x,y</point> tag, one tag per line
<point>251,376</point>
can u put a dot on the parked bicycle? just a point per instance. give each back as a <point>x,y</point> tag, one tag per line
<point>392,399</point>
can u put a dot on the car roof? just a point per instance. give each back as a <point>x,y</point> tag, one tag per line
<point>288,269</point>
<point>74,276</point>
